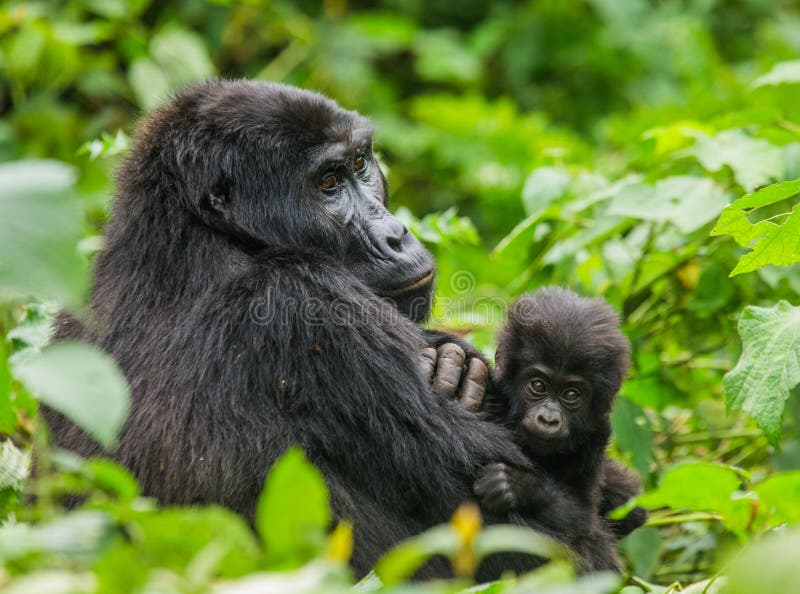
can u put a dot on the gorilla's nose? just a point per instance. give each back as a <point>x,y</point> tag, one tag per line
<point>549,421</point>
<point>394,234</point>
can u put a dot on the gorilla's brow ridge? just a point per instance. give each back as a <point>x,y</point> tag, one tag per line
<point>355,138</point>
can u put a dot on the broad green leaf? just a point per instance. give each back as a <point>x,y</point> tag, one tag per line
<point>686,201</point>
<point>14,465</point>
<point>643,546</point>
<point>543,186</point>
<point>769,367</point>
<point>182,55</point>
<point>767,566</point>
<point>40,225</point>
<point>293,514</point>
<point>769,242</point>
<point>778,497</point>
<point>782,73</point>
<point>633,434</point>
<point>176,539</point>
<point>149,82</point>
<point>77,534</point>
<point>82,382</point>
<point>754,161</point>
<point>403,560</point>
<point>52,581</point>
<point>700,486</point>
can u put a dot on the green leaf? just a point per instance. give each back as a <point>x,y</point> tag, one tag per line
<point>543,186</point>
<point>769,367</point>
<point>633,433</point>
<point>182,55</point>
<point>82,382</point>
<point>149,82</point>
<point>643,546</point>
<point>14,465</point>
<point>782,73</point>
<point>293,514</point>
<point>687,201</point>
<point>754,161</point>
<point>176,539</point>
<point>768,565</point>
<point>403,560</point>
<point>700,486</point>
<point>778,496</point>
<point>769,242</point>
<point>40,224</point>
<point>78,534</point>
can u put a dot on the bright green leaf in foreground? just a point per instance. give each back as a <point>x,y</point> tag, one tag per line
<point>293,514</point>
<point>770,242</point>
<point>81,382</point>
<point>778,497</point>
<point>700,487</point>
<point>769,566</point>
<point>40,224</point>
<point>781,74</point>
<point>769,366</point>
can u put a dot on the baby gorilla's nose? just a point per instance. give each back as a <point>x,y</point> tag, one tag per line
<point>549,421</point>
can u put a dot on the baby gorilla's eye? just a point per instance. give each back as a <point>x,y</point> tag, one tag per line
<point>360,163</point>
<point>538,387</point>
<point>571,396</point>
<point>329,182</point>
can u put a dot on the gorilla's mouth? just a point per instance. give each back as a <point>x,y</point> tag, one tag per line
<point>415,284</point>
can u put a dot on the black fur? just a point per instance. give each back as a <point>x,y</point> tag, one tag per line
<point>556,344</point>
<point>251,310</point>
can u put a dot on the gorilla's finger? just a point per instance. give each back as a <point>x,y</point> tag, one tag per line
<point>473,387</point>
<point>427,363</point>
<point>448,369</point>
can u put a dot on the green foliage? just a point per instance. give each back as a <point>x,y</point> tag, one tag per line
<point>293,512</point>
<point>83,383</point>
<point>591,144</point>
<point>769,367</point>
<point>770,242</point>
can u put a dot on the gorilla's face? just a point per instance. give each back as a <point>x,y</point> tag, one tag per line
<point>288,167</point>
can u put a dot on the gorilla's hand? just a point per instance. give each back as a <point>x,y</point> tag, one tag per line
<point>452,376</point>
<point>497,488</point>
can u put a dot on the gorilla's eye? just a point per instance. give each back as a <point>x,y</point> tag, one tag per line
<point>538,387</point>
<point>329,182</point>
<point>360,163</point>
<point>571,396</point>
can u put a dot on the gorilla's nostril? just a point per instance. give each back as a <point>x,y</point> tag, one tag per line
<point>550,422</point>
<point>395,238</point>
<point>396,243</point>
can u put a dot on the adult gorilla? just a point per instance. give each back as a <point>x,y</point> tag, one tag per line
<point>249,288</point>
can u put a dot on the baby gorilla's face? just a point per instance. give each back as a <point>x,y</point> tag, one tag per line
<point>552,405</point>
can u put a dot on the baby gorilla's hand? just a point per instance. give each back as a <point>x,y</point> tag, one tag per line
<point>452,378</point>
<point>497,488</point>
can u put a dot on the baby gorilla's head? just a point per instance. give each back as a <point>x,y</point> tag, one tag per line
<point>560,362</point>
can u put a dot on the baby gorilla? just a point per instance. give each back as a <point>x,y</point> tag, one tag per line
<point>560,362</point>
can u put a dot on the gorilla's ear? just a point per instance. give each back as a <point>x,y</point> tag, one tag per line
<point>219,197</point>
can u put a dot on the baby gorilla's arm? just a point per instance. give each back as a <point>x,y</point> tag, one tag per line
<point>534,493</point>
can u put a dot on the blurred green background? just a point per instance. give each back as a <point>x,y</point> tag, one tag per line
<point>590,143</point>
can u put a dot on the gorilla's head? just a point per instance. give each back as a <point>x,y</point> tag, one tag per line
<point>270,165</point>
